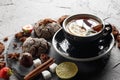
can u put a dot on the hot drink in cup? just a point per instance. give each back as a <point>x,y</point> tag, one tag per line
<point>84,29</point>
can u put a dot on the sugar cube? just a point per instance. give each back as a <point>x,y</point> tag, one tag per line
<point>46,74</point>
<point>52,67</point>
<point>37,62</point>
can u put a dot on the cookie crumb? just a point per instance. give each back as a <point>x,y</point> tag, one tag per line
<point>15,45</point>
<point>5,39</point>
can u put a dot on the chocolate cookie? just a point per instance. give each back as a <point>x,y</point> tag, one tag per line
<point>35,46</point>
<point>2,47</point>
<point>46,28</point>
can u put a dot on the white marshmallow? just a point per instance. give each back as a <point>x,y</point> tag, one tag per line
<point>46,74</point>
<point>52,67</point>
<point>37,62</point>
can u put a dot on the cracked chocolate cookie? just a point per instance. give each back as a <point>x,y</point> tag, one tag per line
<point>46,28</point>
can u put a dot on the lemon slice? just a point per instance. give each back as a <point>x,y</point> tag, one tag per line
<point>77,30</point>
<point>66,70</point>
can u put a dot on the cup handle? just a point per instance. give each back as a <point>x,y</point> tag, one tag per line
<point>107,30</point>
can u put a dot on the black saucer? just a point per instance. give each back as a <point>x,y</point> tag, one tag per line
<point>93,52</point>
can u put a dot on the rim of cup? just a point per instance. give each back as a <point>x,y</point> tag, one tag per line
<point>72,17</point>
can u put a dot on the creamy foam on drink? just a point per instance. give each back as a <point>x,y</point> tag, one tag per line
<point>82,27</point>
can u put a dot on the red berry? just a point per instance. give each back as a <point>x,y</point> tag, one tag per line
<point>5,72</point>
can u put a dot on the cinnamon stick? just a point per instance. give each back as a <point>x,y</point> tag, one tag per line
<point>39,69</point>
<point>86,22</point>
<point>97,28</point>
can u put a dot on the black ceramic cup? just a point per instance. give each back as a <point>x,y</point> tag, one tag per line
<point>80,41</point>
